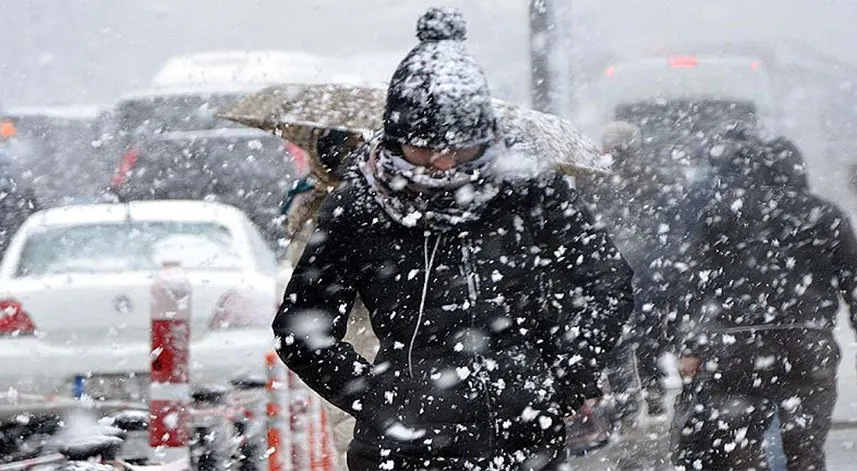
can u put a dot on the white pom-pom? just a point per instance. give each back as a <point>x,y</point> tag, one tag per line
<point>440,24</point>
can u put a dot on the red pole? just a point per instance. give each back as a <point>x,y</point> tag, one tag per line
<point>169,421</point>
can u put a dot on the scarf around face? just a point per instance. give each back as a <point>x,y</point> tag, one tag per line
<point>415,196</point>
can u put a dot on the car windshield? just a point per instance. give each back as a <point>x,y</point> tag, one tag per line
<point>123,247</point>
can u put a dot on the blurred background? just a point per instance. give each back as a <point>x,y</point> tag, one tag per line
<point>60,51</point>
<point>93,51</point>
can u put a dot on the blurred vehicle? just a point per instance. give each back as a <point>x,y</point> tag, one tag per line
<point>261,68</point>
<point>375,67</point>
<point>253,67</point>
<point>202,157</point>
<point>56,150</point>
<point>17,199</point>
<point>7,129</point>
<point>246,168</point>
<point>141,114</point>
<point>190,89</point>
<point>688,94</point>
<point>75,295</point>
<point>680,102</point>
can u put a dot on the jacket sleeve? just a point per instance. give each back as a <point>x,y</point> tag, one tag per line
<point>845,257</point>
<point>313,318</point>
<point>585,291</point>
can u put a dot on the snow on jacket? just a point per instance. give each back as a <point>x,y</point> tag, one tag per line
<point>490,332</point>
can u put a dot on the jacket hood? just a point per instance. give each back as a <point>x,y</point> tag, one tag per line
<point>778,163</point>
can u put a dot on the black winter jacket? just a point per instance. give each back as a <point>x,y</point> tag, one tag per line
<point>489,333</point>
<point>767,254</point>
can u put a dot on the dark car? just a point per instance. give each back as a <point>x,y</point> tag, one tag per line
<point>56,151</point>
<point>245,168</point>
<point>689,79</point>
<point>136,116</point>
<point>675,127</point>
<point>681,102</point>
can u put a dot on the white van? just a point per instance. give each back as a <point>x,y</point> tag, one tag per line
<point>261,68</point>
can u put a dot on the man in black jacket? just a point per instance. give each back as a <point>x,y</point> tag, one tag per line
<point>494,300</point>
<point>768,263</point>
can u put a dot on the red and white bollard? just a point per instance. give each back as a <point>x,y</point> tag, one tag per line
<point>278,414</point>
<point>327,445</point>
<point>298,432</point>
<point>320,459</point>
<point>301,448</point>
<point>312,432</point>
<point>169,406</point>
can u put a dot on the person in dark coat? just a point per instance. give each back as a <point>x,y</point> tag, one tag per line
<point>625,202</point>
<point>768,263</point>
<point>494,299</point>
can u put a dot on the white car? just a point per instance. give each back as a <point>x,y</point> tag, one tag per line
<point>75,295</point>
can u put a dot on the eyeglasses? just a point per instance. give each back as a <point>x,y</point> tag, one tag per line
<point>441,158</point>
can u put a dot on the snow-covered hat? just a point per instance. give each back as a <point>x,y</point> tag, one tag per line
<point>439,96</point>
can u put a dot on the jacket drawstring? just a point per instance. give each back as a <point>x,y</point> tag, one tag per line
<point>429,262</point>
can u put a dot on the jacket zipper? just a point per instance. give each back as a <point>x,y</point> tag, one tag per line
<point>429,262</point>
<point>484,378</point>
